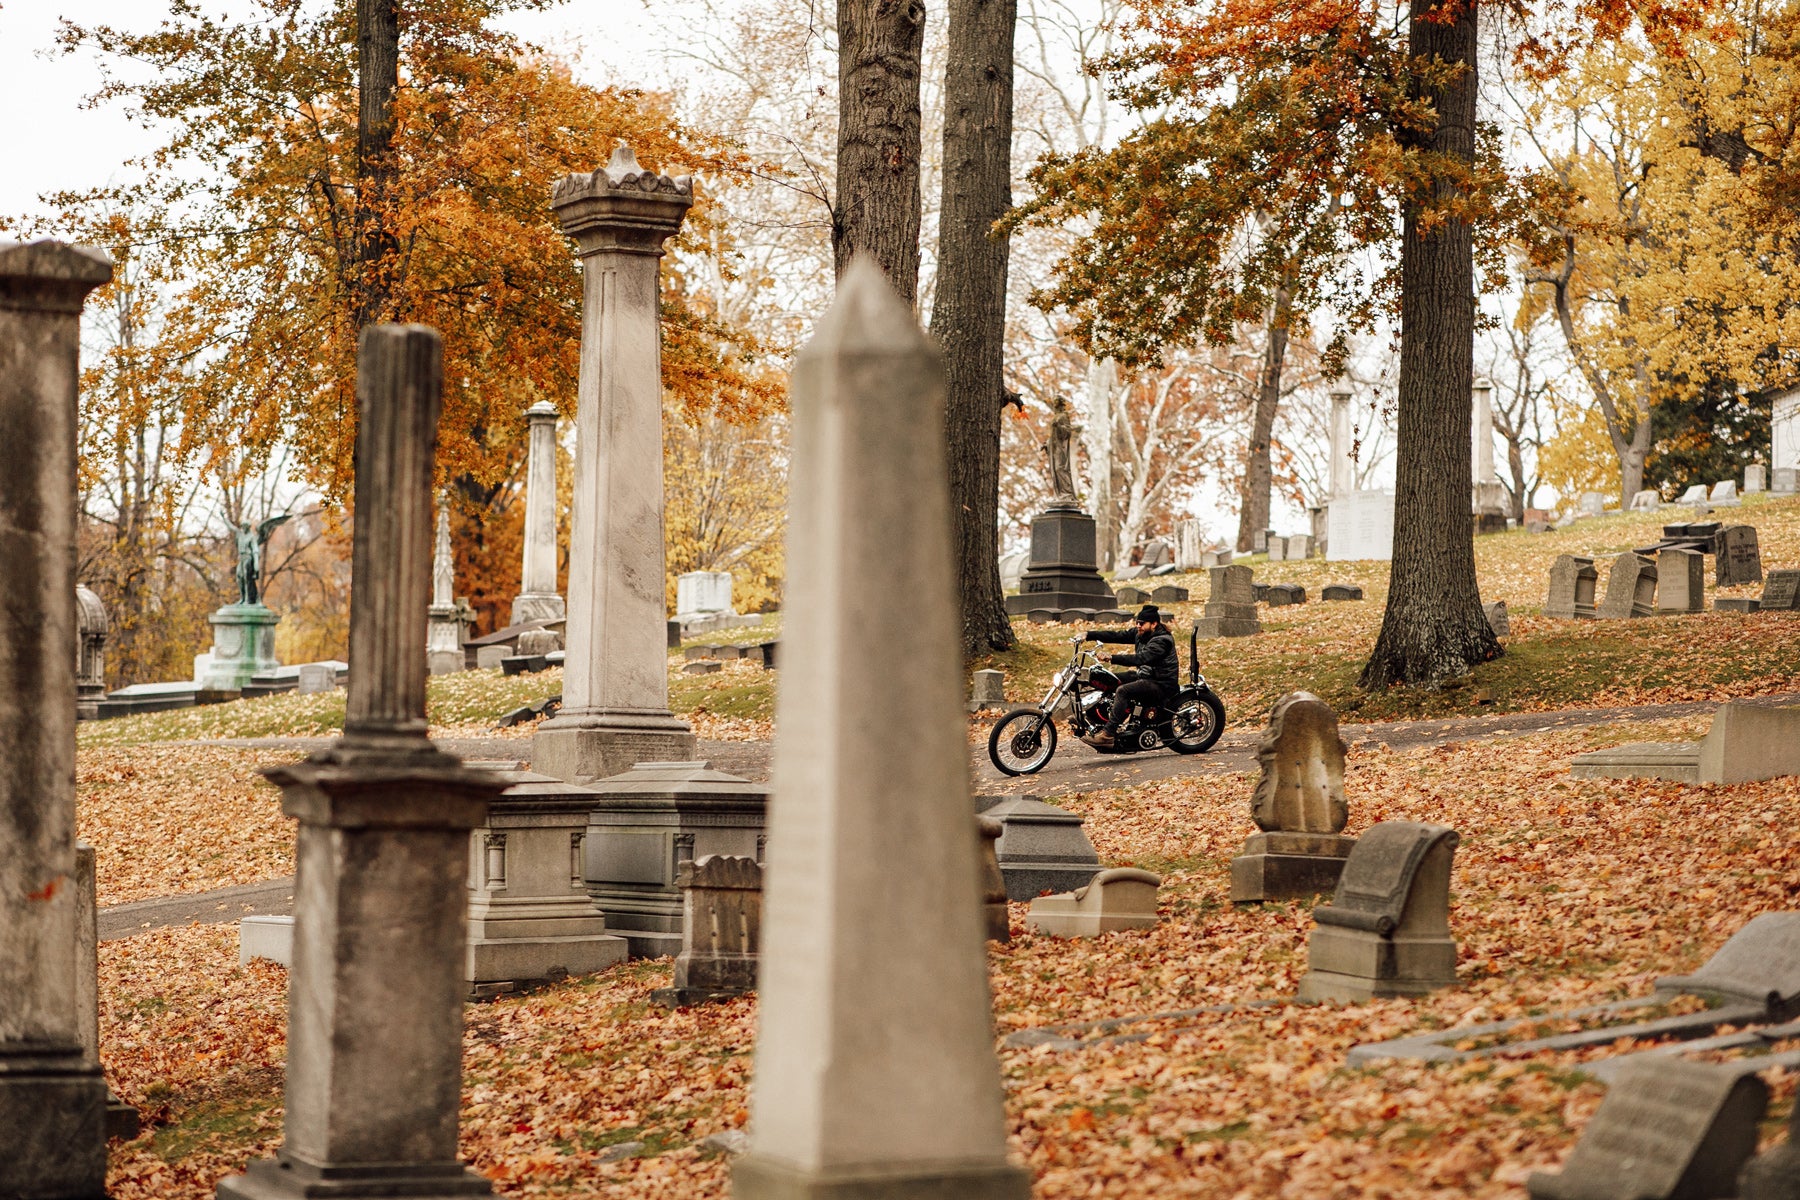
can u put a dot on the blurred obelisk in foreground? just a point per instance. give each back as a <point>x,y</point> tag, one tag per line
<point>875,1068</point>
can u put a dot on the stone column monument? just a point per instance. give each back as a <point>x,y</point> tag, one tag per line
<point>615,677</point>
<point>538,599</point>
<point>1063,571</point>
<point>875,1070</point>
<point>52,1098</point>
<point>1343,469</point>
<point>374,1077</point>
<point>443,628</point>
<point>1489,500</point>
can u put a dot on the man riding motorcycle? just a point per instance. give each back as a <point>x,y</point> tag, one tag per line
<point>1157,679</point>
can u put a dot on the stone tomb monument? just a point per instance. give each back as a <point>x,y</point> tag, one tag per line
<point>1063,571</point>
<point>1668,1130</point>
<point>52,1095</point>
<point>1230,605</point>
<point>875,1072</point>
<point>1573,582</point>
<point>375,1013</point>
<point>1630,588</point>
<point>1041,847</point>
<point>1386,931</point>
<point>530,916</point>
<point>1680,581</point>
<point>616,681</point>
<point>538,599</point>
<point>443,627</point>
<point>1749,741</point>
<point>1298,806</point>
<point>643,824</point>
<point>721,907</point>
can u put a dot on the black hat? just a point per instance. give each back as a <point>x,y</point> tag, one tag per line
<point>1149,613</point>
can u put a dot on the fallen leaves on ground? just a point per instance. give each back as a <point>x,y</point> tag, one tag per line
<point>1566,892</point>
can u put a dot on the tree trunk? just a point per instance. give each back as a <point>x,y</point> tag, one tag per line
<point>968,315</point>
<point>1097,438</point>
<point>1434,628</point>
<point>878,202</point>
<point>1253,501</point>
<point>377,79</point>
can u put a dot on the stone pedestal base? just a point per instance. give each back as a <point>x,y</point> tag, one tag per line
<point>53,1115</point>
<point>1062,573</point>
<point>537,607</point>
<point>1353,965</point>
<point>1225,627</point>
<point>1288,866</point>
<point>286,1178</point>
<point>581,748</point>
<point>243,647</point>
<point>753,1178</point>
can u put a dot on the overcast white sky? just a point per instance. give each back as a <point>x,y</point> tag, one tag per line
<point>50,142</point>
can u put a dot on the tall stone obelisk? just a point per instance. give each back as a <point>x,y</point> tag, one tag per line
<point>615,677</point>
<point>538,599</point>
<point>875,1069</point>
<point>52,1098</point>
<point>381,906</point>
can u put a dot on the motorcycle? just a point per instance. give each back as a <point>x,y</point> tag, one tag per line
<point>1024,739</point>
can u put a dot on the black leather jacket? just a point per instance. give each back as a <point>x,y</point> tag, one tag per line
<point>1153,655</point>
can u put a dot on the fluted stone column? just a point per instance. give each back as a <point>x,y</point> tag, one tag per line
<point>380,900</point>
<point>615,676</point>
<point>538,599</point>
<point>875,1069</point>
<point>52,1098</point>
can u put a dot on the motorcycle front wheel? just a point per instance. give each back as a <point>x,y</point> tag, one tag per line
<point>1197,724</point>
<point>1022,741</point>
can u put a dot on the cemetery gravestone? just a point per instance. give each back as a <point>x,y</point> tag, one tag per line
<point>1497,618</point>
<point>993,883</point>
<point>721,905</point>
<point>52,1097</point>
<point>1170,594</point>
<point>488,658</point>
<point>1736,556</point>
<point>702,593</point>
<point>1041,847</point>
<point>1298,805</point>
<point>1386,931</point>
<point>1755,479</point>
<point>91,628</point>
<point>1341,591</point>
<point>616,681</point>
<point>988,690</point>
<point>1190,545</point>
<point>1781,591</point>
<point>1630,588</point>
<point>1114,899</point>
<point>374,1079</point>
<point>1724,494</point>
<point>316,678</point>
<point>1299,545</point>
<point>1277,548</point>
<point>1280,594</point>
<point>1573,582</point>
<point>1591,504</point>
<point>1783,481</point>
<point>1231,605</point>
<point>1695,495</point>
<point>872,919</point>
<point>1680,581</point>
<point>1132,596</point>
<point>1646,501</point>
<point>443,630</point>
<point>1668,1129</point>
<point>1360,525</point>
<point>1774,1174</point>
<point>538,599</point>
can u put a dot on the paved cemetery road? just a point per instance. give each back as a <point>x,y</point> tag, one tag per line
<point>1075,768</point>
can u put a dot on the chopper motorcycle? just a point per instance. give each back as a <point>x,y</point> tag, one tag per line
<point>1024,739</point>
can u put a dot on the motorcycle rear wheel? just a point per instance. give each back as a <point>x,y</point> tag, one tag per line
<point>1197,724</point>
<point>1022,741</point>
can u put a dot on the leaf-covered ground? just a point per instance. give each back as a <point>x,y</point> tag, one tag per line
<point>1566,892</point>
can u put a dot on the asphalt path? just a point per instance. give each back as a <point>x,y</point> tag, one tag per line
<point>1075,767</point>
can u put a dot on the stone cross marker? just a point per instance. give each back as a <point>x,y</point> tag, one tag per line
<point>52,1098</point>
<point>374,1079</point>
<point>1669,1129</point>
<point>1386,931</point>
<point>1298,805</point>
<point>875,1070</point>
<point>1630,588</point>
<point>538,599</point>
<point>1736,556</point>
<point>615,679</point>
<point>1573,581</point>
<point>1680,581</point>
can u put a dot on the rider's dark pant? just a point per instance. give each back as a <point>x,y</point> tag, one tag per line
<point>1138,691</point>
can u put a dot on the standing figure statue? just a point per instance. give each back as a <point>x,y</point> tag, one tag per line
<point>250,542</point>
<point>1059,449</point>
